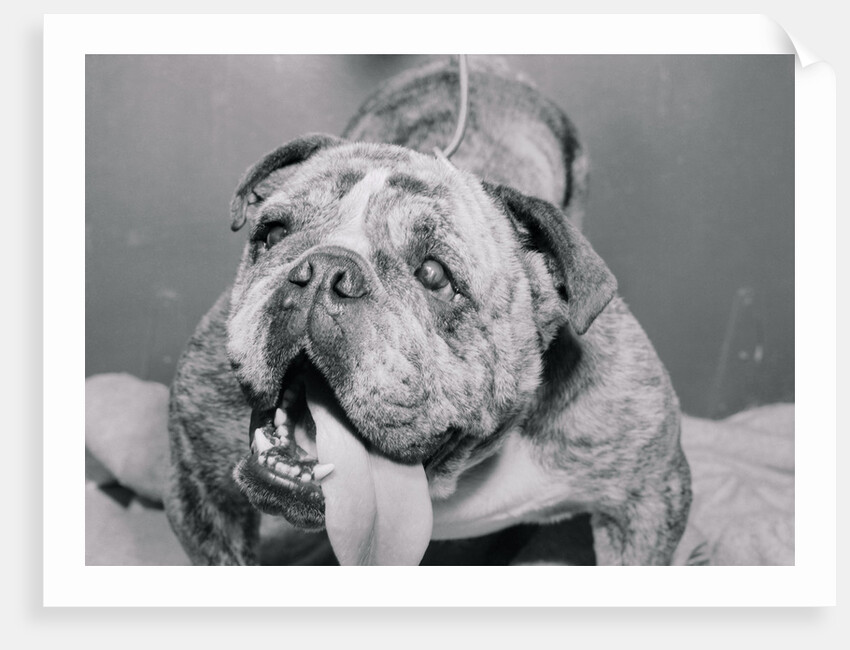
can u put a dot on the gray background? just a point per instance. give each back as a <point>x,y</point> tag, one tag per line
<point>691,197</point>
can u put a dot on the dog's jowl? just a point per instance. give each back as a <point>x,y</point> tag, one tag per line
<point>417,350</point>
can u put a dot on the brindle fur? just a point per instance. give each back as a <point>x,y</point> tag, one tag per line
<point>541,354</point>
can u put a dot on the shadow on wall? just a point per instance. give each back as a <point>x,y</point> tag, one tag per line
<point>691,197</point>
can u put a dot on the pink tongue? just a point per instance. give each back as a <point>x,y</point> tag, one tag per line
<point>377,511</point>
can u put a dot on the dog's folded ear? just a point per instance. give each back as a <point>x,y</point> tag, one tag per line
<point>583,282</point>
<point>291,153</point>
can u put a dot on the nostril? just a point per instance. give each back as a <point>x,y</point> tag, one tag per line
<point>302,274</point>
<point>337,282</point>
<point>349,284</point>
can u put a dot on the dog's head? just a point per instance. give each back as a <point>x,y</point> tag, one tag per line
<point>420,297</point>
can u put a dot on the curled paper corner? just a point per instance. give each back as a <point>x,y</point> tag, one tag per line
<point>786,42</point>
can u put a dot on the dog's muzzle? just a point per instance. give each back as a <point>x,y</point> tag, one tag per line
<point>324,285</point>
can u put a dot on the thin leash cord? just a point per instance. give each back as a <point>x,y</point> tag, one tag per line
<point>463,111</point>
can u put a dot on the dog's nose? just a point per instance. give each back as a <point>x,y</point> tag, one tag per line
<point>336,272</point>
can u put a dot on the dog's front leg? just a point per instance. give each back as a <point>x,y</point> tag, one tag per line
<point>214,522</point>
<point>211,532</point>
<point>646,529</point>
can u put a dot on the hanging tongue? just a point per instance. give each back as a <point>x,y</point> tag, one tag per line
<point>377,511</point>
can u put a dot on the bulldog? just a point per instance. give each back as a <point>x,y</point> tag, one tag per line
<point>415,349</point>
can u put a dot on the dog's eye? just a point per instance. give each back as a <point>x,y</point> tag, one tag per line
<point>274,235</point>
<point>433,277</point>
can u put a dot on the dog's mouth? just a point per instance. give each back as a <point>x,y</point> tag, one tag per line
<point>283,439</point>
<point>283,467</point>
<point>308,464</point>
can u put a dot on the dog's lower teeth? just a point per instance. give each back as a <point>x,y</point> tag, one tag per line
<point>281,432</point>
<point>305,477</point>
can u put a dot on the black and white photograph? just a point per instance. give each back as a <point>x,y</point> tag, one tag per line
<point>456,309</point>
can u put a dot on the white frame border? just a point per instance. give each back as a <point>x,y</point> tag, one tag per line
<point>67,581</point>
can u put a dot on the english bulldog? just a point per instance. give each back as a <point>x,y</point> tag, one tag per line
<point>415,349</point>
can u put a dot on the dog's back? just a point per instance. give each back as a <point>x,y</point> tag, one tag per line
<point>514,135</point>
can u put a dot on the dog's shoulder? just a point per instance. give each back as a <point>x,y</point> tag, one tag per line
<point>204,387</point>
<point>606,398</point>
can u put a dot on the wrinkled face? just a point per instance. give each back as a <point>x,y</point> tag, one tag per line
<point>395,279</point>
